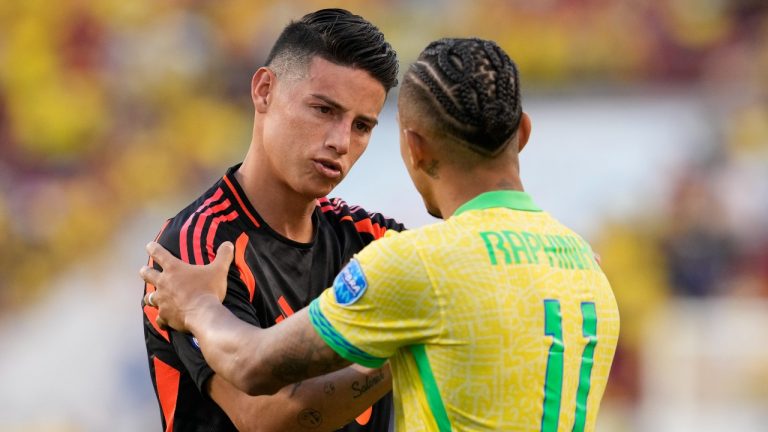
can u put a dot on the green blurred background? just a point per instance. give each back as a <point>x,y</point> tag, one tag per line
<point>650,137</point>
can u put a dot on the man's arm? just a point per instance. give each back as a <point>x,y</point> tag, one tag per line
<point>256,361</point>
<point>324,403</point>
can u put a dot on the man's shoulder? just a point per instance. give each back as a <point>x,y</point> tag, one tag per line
<point>174,224</point>
<point>339,212</point>
<point>201,226</point>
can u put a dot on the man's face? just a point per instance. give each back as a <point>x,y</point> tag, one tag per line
<point>318,125</point>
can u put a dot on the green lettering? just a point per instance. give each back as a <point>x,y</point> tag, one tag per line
<point>517,246</point>
<point>486,235</point>
<point>550,248</point>
<point>562,251</point>
<point>575,252</point>
<point>534,245</point>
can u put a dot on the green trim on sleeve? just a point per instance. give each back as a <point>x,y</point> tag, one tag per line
<point>335,340</point>
<point>434,399</point>
<point>516,200</point>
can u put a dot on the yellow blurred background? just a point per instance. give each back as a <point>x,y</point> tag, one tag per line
<point>650,137</point>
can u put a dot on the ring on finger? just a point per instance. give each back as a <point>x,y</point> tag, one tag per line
<point>151,299</point>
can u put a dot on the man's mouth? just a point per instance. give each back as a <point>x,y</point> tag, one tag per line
<point>328,168</point>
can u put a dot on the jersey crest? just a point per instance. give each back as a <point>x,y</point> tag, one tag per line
<point>350,284</point>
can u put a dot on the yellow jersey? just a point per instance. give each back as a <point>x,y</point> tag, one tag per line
<point>497,319</point>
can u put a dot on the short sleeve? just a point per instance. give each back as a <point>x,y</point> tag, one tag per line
<point>186,346</point>
<point>381,301</point>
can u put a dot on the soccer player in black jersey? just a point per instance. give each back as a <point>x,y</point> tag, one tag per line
<point>316,102</point>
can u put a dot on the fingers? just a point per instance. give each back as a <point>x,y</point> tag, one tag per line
<point>160,254</point>
<point>162,323</point>
<point>150,275</point>
<point>149,299</point>
<point>224,255</point>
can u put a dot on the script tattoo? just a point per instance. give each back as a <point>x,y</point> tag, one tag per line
<point>310,418</point>
<point>360,388</point>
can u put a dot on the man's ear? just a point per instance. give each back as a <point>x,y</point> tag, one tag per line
<point>262,86</point>
<point>523,132</point>
<point>416,147</point>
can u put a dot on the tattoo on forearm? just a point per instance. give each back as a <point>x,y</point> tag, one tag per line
<point>370,381</point>
<point>310,418</point>
<point>306,358</point>
<point>290,370</point>
<point>329,388</point>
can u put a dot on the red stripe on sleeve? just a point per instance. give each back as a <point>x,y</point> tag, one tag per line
<point>212,231</point>
<point>151,314</point>
<point>365,225</point>
<point>183,235</point>
<point>365,417</point>
<point>245,272</point>
<point>167,380</point>
<point>240,201</point>
<point>196,243</point>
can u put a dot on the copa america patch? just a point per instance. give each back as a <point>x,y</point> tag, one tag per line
<point>350,284</point>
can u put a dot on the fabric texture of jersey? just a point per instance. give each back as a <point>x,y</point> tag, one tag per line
<point>497,319</point>
<point>271,277</point>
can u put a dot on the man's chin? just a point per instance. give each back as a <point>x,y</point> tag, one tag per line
<point>321,191</point>
<point>434,213</point>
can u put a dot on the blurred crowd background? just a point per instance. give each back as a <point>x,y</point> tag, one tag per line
<point>114,114</point>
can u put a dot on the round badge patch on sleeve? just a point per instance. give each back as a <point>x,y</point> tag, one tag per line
<point>350,284</point>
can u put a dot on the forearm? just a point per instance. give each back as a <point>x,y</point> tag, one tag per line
<point>323,403</point>
<point>260,361</point>
<point>227,342</point>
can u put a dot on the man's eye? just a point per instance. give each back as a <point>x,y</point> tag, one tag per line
<point>362,127</point>
<point>323,109</point>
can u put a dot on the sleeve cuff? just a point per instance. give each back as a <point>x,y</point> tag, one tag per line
<point>337,342</point>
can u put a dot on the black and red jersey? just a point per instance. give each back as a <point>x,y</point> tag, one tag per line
<point>271,277</point>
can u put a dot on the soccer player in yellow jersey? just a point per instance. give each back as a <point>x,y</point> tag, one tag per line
<point>497,319</point>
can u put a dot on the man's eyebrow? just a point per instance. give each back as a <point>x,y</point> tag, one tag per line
<point>340,107</point>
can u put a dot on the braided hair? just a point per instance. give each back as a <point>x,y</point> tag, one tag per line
<point>473,89</point>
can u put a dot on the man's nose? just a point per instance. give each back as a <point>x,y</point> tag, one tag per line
<point>339,137</point>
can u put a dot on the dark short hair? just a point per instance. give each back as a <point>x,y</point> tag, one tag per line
<point>471,91</point>
<point>340,37</point>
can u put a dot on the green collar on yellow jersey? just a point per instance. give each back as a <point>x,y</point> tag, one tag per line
<point>515,200</point>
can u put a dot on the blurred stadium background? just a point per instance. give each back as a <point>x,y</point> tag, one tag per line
<point>650,137</point>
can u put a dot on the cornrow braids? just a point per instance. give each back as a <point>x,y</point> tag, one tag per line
<point>475,86</point>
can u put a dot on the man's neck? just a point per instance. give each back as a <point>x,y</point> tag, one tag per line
<point>450,195</point>
<point>286,212</point>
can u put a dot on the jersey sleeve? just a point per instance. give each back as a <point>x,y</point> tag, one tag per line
<point>382,300</point>
<point>237,300</point>
<point>186,346</point>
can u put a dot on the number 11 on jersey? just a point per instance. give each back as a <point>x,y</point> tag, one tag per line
<point>553,384</point>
